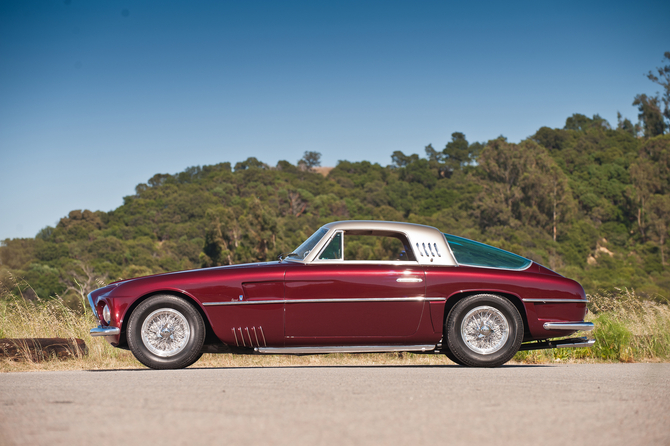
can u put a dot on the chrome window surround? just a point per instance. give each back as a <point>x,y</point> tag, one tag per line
<point>325,245</point>
<point>414,233</point>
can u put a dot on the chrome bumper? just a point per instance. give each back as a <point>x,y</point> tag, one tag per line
<point>105,331</point>
<point>572,326</point>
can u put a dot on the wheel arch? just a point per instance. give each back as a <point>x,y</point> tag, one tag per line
<point>209,332</point>
<point>513,298</point>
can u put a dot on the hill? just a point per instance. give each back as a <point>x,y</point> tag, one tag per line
<point>589,201</point>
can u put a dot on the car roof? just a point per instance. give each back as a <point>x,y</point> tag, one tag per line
<point>428,243</point>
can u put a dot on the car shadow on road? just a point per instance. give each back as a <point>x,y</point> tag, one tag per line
<point>347,366</point>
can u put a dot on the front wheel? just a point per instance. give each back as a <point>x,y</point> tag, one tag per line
<point>484,330</point>
<point>166,332</point>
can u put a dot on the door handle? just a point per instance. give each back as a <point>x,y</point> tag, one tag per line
<point>409,279</point>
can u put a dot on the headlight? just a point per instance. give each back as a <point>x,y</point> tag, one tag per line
<point>106,314</point>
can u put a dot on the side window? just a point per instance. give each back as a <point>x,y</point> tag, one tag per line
<point>334,249</point>
<point>381,246</point>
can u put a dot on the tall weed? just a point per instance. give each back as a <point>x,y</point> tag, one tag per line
<point>628,328</point>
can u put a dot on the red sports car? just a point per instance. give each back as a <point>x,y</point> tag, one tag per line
<point>353,286</point>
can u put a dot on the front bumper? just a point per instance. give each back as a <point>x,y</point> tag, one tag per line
<point>105,331</point>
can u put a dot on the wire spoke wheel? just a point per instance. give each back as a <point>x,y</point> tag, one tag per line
<point>485,330</point>
<point>165,332</point>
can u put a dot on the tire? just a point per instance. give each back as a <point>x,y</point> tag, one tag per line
<point>451,357</point>
<point>483,330</point>
<point>166,332</point>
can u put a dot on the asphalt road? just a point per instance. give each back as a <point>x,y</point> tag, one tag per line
<point>617,404</point>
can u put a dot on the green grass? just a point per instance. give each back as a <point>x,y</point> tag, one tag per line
<point>628,328</point>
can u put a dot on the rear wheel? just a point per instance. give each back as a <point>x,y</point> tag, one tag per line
<point>484,330</point>
<point>166,332</point>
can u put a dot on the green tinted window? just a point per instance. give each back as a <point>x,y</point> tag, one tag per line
<point>334,249</point>
<point>471,253</point>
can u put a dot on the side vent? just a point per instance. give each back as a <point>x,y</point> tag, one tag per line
<point>427,249</point>
<point>249,338</point>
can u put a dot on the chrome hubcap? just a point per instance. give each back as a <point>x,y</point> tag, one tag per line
<point>165,332</point>
<point>484,330</point>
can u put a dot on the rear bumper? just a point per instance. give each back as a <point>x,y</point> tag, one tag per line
<point>568,326</point>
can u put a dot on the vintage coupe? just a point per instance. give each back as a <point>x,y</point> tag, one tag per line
<point>353,286</point>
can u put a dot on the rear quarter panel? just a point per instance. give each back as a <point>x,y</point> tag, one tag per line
<point>533,283</point>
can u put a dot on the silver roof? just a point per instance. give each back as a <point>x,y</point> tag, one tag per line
<point>428,243</point>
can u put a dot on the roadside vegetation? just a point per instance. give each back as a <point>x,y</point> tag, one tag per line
<point>590,200</point>
<point>629,328</point>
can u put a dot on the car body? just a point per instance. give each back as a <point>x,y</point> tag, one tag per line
<point>353,286</point>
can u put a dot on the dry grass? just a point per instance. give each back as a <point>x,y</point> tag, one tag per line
<point>628,329</point>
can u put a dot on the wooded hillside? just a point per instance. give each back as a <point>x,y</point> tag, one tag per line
<point>589,200</point>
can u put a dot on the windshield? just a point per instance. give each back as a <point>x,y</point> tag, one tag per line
<point>304,249</point>
<point>471,253</point>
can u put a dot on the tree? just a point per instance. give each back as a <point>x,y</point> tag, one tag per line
<point>659,207</point>
<point>626,125</point>
<point>650,115</point>
<point>650,174</point>
<point>459,153</point>
<point>644,175</point>
<point>663,79</point>
<point>522,185</point>
<point>221,238</point>
<point>401,160</point>
<point>309,161</point>
<point>582,123</point>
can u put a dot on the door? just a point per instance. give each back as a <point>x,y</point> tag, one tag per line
<point>350,303</point>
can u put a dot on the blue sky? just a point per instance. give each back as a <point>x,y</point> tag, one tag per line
<point>98,96</point>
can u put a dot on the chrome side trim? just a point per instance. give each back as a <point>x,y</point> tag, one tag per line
<point>557,301</point>
<point>105,331</point>
<point>344,349</point>
<point>581,326</point>
<point>316,301</point>
<point>409,280</point>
